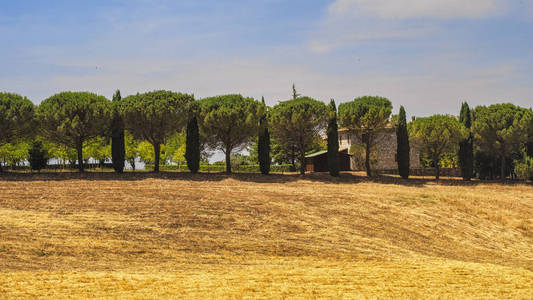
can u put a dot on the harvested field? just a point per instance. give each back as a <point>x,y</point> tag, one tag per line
<point>282,236</point>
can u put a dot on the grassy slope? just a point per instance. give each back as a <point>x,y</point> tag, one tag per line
<point>138,236</point>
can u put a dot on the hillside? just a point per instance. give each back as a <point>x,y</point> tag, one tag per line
<point>144,235</point>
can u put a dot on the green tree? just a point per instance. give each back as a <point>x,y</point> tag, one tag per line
<point>466,146</point>
<point>37,156</point>
<point>263,144</point>
<point>99,149</point>
<point>366,116</point>
<point>146,152</point>
<point>154,116</point>
<point>333,140</point>
<point>61,153</point>
<point>228,122</point>
<point>74,118</point>
<point>436,136</point>
<point>131,151</point>
<point>118,147</point>
<point>501,130</point>
<point>297,123</point>
<point>192,148</point>
<point>403,149</point>
<point>175,148</point>
<point>14,154</point>
<point>16,118</point>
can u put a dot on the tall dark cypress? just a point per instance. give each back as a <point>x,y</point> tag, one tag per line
<point>403,149</point>
<point>263,144</point>
<point>333,140</point>
<point>118,148</point>
<point>192,145</point>
<point>466,146</point>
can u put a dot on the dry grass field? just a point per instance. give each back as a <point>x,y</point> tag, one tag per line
<point>145,236</point>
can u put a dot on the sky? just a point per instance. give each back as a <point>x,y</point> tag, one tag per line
<point>427,55</point>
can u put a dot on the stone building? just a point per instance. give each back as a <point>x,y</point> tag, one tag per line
<point>383,155</point>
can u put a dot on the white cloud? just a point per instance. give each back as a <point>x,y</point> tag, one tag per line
<point>341,37</point>
<point>403,9</point>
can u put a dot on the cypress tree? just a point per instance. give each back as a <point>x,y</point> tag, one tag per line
<point>263,144</point>
<point>118,148</point>
<point>37,156</point>
<point>466,146</point>
<point>192,145</point>
<point>333,140</point>
<point>403,148</point>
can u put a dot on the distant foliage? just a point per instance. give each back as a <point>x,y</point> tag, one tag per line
<point>403,148</point>
<point>333,140</point>
<point>74,118</point>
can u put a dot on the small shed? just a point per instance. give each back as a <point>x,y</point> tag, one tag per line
<point>318,161</point>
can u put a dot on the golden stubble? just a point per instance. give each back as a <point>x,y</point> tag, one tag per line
<point>142,236</point>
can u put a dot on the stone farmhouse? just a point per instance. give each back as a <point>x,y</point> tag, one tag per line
<point>351,148</point>
<point>383,155</point>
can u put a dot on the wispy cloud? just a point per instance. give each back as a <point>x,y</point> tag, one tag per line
<point>350,22</point>
<point>402,9</point>
<point>334,36</point>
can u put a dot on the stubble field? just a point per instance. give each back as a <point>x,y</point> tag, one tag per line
<point>142,236</point>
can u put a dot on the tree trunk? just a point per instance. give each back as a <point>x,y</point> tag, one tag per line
<point>228,161</point>
<point>503,171</point>
<point>79,148</point>
<point>157,152</point>
<point>302,162</point>
<point>366,139</point>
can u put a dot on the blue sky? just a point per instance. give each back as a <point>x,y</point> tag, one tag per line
<point>428,55</point>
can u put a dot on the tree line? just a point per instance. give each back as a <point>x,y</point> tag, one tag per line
<point>487,141</point>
